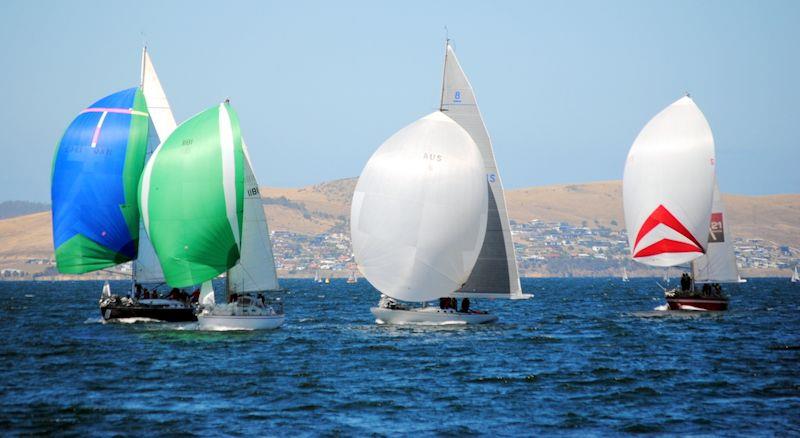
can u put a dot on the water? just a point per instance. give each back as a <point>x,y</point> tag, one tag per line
<point>585,356</point>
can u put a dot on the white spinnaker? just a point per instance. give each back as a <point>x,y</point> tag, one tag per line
<point>418,216</point>
<point>719,263</point>
<point>495,273</point>
<point>668,186</point>
<point>147,268</point>
<point>255,271</point>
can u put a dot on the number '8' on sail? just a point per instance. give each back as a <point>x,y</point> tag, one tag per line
<point>192,195</point>
<point>95,174</point>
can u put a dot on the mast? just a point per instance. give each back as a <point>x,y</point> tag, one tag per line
<point>444,75</point>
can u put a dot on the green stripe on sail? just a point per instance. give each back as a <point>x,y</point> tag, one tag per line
<point>188,220</point>
<point>134,163</point>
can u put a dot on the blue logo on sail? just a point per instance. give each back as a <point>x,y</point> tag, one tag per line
<point>457,97</point>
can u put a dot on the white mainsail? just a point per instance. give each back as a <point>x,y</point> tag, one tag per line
<point>668,186</point>
<point>495,273</point>
<point>255,271</point>
<point>146,268</point>
<point>418,216</point>
<point>795,276</point>
<point>718,265</point>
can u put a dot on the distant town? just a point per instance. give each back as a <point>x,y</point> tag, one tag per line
<point>543,250</point>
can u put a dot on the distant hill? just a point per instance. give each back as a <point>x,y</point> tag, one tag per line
<point>9,209</point>
<point>325,207</point>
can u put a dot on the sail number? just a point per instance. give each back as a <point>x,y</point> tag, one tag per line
<point>491,177</point>
<point>252,191</point>
<point>187,142</point>
<point>432,156</point>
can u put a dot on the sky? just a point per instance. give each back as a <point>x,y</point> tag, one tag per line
<point>564,86</point>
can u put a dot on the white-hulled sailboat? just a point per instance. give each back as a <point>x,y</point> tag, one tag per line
<point>795,276</point>
<point>252,277</point>
<point>203,212</point>
<point>625,278</point>
<point>428,218</point>
<point>668,187</point>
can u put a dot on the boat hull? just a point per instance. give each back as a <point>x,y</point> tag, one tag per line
<point>698,303</point>
<point>429,316</point>
<point>166,314</point>
<point>233,322</point>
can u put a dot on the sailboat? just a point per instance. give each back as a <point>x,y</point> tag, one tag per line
<point>352,279</point>
<point>202,210</point>
<point>625,278</point>
<point>795,276</point>
<point>665,277</point>
<point>428,217</point>
<point>95,210</point>
<point>317,278</point>
<point>668,187</point>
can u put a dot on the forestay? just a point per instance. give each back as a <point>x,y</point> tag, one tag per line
<point>192,197</point>
<point>95,173</point>
<point>418,217</point>
<point>495,273</point>
<point>668,186</point>
<point>255,271</point>
<point>718,265</point>
<point>146,268</point>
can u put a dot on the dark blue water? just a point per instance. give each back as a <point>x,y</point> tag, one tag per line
<point>585,356</point>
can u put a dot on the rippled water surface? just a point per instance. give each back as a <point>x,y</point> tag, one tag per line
<point>583,356</point>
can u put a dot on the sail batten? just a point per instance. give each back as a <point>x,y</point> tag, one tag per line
<point>495,272</point>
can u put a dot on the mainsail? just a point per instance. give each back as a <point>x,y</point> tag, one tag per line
<point>255,271</point>
<point>495,273</point>
<point>668,186</point>
<point>95,173</point>
<point>418,216</point>
<point>191,195</point>
<point>718,265</point>
<point>146,268</point>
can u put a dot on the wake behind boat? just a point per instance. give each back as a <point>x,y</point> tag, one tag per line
<point>428,217</point>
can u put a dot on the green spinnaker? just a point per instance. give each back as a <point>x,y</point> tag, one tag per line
<point>192,196</point>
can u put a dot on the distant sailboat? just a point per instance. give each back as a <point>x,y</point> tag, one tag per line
<point>668,187</point>
<point>625,278</point>
<point>352,278</point>
<point>203,171</point>
<point>665,278</point>
<point>428,217</point>
<point>795,276</point>
<point>317,278</point>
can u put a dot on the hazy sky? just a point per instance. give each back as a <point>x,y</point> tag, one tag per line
<point>564,87</point>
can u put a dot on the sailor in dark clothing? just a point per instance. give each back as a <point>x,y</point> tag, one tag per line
<point>443,303</point>
<point>686,282</point>
<point>465,305</point>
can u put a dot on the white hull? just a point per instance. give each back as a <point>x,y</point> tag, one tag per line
<point>245,322</point>
<point>429,316</point>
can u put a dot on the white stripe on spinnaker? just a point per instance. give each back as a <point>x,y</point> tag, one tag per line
<point>148,172</point>
<point>228,170</point>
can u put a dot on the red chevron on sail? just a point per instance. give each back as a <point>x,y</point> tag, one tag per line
<point>662,216</point>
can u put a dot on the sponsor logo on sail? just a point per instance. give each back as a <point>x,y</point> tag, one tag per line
<point>662,216</point>
<point>716,230</point>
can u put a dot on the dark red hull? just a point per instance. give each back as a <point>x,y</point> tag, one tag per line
<point>692,303</point>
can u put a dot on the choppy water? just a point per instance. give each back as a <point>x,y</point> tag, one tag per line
<point>585,356</point>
